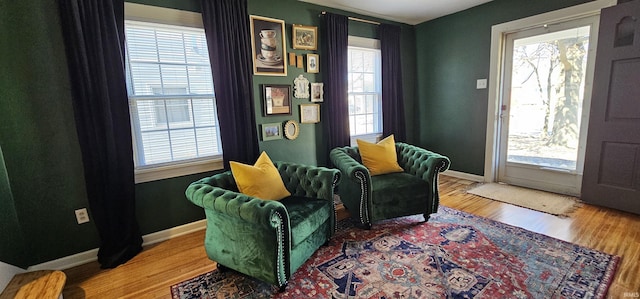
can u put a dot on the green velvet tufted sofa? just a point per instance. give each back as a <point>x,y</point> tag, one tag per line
<point>265,239</point>
<point>371,198</point>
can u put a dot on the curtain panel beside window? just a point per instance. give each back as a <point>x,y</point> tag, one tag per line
<point>226,26</point>
<point>94,42</point>
<point>393,121</point>
<point>335,37</point>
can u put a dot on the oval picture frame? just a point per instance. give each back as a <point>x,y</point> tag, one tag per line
<point>291,129</point>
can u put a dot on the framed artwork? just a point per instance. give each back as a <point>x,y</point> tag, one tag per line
<point>271,131</point>
<point>301,87</point>
<point>317,92</point>
<point>305,37</point>
<point>309,113</point>
<point>313,63</point>
<point>267,46</point>
<point>276,99</point>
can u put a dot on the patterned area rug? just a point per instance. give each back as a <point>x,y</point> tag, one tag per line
<point>454,255</point>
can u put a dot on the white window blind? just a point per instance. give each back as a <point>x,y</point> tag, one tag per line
<point>365,91</point>
<point>171,96</point>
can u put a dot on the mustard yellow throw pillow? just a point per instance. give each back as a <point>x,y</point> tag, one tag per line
<point>262,180</point>
<point>379,158</point>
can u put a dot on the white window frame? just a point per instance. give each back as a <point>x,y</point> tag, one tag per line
<point>161,15</point>
<point>368,43</point>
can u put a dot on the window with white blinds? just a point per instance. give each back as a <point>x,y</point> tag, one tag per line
<point>171,96</point>
<point>365,87</point>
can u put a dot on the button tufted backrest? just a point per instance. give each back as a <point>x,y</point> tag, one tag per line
<point>410,159</point>
<point>307,181</point>
<point>354,152</point>
<point>222,180</point>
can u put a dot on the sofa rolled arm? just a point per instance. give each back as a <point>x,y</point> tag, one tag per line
<point>235,204</point>
<point>351,168</point>
<point>308,181</point>
<point>420,162</point>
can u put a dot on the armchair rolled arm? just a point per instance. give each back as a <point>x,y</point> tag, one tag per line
<point>308,181</point>
<point>234,204</point>
<point>350,167</point>
<point>420,162</point>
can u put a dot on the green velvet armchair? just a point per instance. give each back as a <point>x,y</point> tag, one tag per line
<point>266,239</point>
<point>372,198</point>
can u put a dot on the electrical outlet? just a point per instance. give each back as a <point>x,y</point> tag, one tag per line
<point>481,83</point>
<point>82,215</point>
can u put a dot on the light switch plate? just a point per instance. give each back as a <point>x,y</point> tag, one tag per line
<point>481,84</point>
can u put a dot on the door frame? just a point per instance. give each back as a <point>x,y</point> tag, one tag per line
<point>498,33</point>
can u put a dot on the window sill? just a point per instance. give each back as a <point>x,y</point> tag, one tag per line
<point>372,138</point>
<point>143,175</point>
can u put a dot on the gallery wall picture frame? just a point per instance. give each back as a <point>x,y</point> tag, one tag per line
<point>271,131</point>
<point>304,37</point>
<point>291,129</point>
<point>300,64</point>
<point>292,59</point>
<point>317,92</point>
<point>301,87</point>
<point>309,113</point>
<point>268,46</point>
<point>276,99</point>
<point>313,63</point>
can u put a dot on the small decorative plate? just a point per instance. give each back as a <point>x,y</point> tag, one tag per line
<point>291,129</point>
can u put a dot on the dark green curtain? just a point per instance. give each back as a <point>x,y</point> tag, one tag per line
<point>226,25</point>
<point>94,42</point>
<point>335,39</point>
<point>393,121</point>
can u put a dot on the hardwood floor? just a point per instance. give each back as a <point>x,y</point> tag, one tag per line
<point>152,272</point>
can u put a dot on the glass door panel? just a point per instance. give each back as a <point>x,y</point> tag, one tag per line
<point>547,73</point>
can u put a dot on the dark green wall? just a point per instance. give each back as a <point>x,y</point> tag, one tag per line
<point>37,134</point>
<point>452,53</point>
<point>307,148</point>
<point>12,244</point>
<point>41,150</point>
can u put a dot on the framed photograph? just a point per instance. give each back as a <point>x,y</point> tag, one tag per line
<point>276,99</point>
<point>301,87</point>
<point>313,63</point>
<point>271,131</point>
<point>309,113</point>
<point>268,46</point>
<point>317,92</point>
<point>305,37</point>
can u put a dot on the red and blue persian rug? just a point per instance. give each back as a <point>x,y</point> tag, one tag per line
<point>454,255</point>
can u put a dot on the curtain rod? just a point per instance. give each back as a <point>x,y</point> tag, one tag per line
<point>359,20</point>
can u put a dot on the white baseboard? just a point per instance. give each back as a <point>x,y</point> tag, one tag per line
<point>92,255</point>
<point>463,175</point>
<point>7,272</point>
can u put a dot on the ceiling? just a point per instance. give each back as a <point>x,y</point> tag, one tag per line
<point>411,12</point>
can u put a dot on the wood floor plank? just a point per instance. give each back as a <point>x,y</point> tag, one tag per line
<point>152,272</point>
